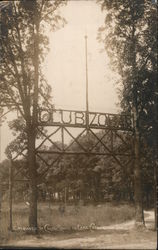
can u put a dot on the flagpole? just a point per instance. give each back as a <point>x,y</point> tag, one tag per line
<point>87,101</point>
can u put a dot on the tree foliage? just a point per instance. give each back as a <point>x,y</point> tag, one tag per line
<point>26,23</point>
<point>23,86</point>
<point>129,35</point>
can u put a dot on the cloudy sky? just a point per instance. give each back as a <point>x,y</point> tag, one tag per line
<point>65,64</point>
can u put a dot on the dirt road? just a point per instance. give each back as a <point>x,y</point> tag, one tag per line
<point>120,236</point>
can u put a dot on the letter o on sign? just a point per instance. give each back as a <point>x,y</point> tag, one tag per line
<point>101,120</point>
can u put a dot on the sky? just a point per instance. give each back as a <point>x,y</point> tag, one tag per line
<point>65,65</point>
<point>65,68</point>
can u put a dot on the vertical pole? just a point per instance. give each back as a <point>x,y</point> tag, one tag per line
<point>87,101</point>
<point>0,139</point>
<point>155,191</point>
<point>62,137</point>
<point>112,146</point>
<point>0,200</point>
<point>65,196</point>
<point>155,157</point>
<point>0,163</point>
<point>10,195</point>
<point>87,104</point>
<point>49,201</point>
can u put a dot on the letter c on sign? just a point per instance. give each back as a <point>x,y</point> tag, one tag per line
<point>44,116</point>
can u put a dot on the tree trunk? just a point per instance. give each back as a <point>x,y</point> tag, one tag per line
<point>139,215</point>
<point>32,132</point>
<point>11,196</point>
<point>155,182</point>
<point>33,181</point>
<point>155,157</point>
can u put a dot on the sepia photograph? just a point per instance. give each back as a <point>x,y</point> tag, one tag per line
<point>78,124</point>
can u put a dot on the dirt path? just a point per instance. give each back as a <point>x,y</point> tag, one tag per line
<point>149,220</point>
<point>120,236</point>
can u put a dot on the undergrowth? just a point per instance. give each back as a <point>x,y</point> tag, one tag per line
<point>68,218</point>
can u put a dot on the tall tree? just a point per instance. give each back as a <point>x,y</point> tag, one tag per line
<point>23,85</point>
<point>130,37</point>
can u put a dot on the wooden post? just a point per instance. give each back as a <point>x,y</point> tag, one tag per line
<point>155,194</point>
<point>155,155</point>
<point>49,201</point>
<point>65,195</point>
<point>10,196</point>
<point>87,104</point>
<point>0,201</point>
<point>0,139</point>
<point>155,162</point>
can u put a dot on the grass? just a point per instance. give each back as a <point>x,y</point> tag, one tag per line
<point>73,216</point>
<point>85,215</point>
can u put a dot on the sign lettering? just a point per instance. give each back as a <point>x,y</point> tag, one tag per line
<point>72,118</point>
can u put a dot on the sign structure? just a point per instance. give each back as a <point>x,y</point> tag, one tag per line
<point>84,119</point>
<point>107,131</point>
<point>90,133</point>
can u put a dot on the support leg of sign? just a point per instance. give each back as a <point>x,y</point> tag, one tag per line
<point>111,138</point>
<point>0,203</point>
<point>62,137</point>
<point>65,196</point>
<point>10,196</point>
<point>49,201</point>
<point>155,189</point>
